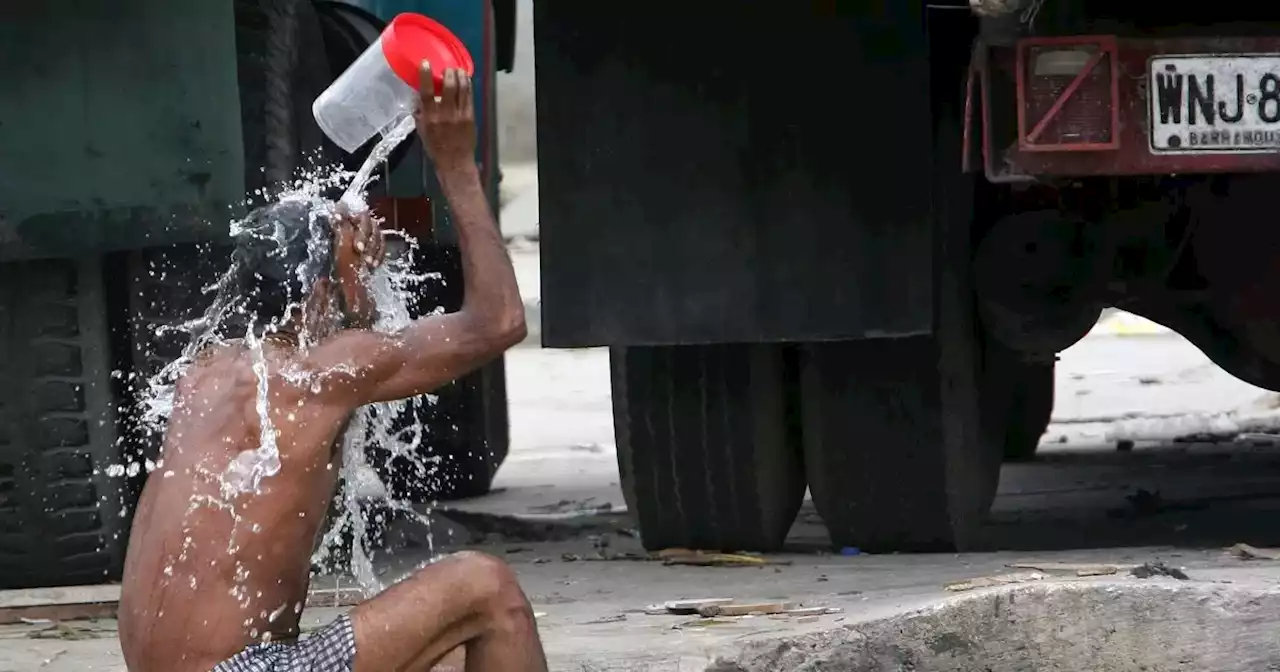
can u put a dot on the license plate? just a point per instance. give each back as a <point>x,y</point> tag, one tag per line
<point>1214,104</point>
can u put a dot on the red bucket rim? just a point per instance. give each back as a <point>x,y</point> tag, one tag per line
<point>405,51</point>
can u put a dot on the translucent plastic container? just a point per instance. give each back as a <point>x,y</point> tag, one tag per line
<point>381,87</point>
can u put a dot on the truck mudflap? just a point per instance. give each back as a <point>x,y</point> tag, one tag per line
<point>1105,105</point>
<point>698,190</point>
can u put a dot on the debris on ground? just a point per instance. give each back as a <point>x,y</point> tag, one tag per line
<point>58,605</point>
<point>686,607</point>
<point>626,556</point>
<point>743,609</point>
<point>601,555</point>
<point>702,622</point>
<point>1150,569</point>
<point>684,556</point>
<point>1079,569</point>
<point>616,618</point>
<point>51,659</point>
<point>70,632</point>
<point>813,611</point>
<point>727,607</point>
<point>579,506</point>
<point>996,580</point>
<point>1247,552</point>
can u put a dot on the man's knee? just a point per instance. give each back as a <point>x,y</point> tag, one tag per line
<point>494,587</point>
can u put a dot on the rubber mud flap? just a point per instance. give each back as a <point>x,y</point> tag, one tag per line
<point>60,513</point>
<point>704,451</point>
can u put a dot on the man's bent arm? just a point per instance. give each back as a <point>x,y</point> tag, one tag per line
<point>491,299</point>
<point>367,367</point>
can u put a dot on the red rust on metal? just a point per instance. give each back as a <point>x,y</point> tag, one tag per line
<point>1011,154</point>
<point>414,216</point>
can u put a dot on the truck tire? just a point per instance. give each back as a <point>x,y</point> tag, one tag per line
<point>1017,400</point>
<point>60,521</point>
<point>282,66</point>
<point>894,454</point>
<point>705,454</point>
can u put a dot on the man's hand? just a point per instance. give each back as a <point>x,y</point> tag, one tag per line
<point>447,125</point>
<point>358,249</point>
<point>358,243</point>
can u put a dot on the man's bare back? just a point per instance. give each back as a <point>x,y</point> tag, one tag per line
<point>216,575</point>
<point>242,561</point>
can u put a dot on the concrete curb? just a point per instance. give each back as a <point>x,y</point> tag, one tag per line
<point>1049,626</point>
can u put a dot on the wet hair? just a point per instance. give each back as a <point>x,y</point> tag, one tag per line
<point>281,251</point>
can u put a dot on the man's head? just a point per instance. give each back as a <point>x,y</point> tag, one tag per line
<point>283,267</point>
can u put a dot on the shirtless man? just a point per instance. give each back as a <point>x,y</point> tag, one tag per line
<point>217,580</point>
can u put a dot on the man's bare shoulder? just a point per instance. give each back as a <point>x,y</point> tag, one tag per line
<point>293,375</point>
<point>238,362</point>
<point>217,365</point>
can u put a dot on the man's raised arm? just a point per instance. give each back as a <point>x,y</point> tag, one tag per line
<point>368,366</point>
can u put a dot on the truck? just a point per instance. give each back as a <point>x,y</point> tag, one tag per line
<point>835,246</point>
<point>130,134</point>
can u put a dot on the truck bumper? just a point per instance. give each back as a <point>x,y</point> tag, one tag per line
<point>1102,105</point>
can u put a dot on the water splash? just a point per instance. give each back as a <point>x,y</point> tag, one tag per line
<point>378,429</point>
<point>246,471</point>
<point>353,197</point>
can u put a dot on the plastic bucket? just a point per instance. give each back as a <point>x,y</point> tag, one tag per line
<point>381,86</point>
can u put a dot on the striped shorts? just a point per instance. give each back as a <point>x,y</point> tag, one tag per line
<point>330,649</point>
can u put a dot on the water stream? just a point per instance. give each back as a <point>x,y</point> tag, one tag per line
<point>380,426</point>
